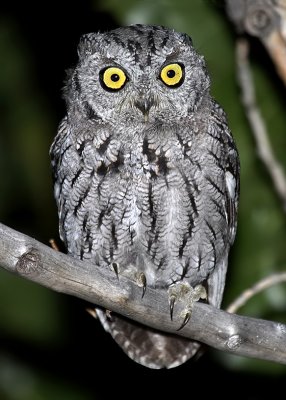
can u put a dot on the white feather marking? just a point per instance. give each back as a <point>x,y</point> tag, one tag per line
<point>230,184</point>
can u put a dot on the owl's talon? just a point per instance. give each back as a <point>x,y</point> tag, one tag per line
<point>115,269</point>
<point>172,303</point>
<point>142,281</point>
<point>186,320</point>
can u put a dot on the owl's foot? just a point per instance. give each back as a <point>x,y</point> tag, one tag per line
<point>185,293</point>
<point>142,282</point>
<point>139,278</point>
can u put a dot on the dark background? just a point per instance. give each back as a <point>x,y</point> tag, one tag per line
<point>50,347</point>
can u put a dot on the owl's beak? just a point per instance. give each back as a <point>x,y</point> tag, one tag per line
<point>144,106</point>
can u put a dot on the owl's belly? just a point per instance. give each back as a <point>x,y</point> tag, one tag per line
<point>142,204</point>
<point>152,224</point>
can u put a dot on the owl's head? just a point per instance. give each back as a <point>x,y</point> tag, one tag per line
<point>137,73</point>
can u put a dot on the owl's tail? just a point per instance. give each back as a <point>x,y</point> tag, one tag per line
<point>146,346</point>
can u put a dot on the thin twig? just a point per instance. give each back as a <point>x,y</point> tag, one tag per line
<point>256,121</point>
<point>264,284</point>
<point>54,244</point>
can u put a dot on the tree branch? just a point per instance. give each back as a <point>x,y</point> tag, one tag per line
<point>256,121</point>
<point>232,333</point>
<point>258,287</point>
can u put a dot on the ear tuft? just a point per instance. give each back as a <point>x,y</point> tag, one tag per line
<point>88,44</point>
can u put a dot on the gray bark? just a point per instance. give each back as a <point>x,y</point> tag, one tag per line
<point>232,333</point>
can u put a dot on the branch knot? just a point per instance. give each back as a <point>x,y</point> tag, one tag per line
<point>29,263</point>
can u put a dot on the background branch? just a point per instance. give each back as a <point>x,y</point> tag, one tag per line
<point>256,121</point>
<point>258,287</point>
<point>265,19</point>
<point>232,333</point>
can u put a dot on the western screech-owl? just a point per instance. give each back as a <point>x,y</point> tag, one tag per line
<point>146,173</point>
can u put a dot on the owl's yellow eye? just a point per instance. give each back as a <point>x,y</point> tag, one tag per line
<point>113,78</point>
<point>172,74</point>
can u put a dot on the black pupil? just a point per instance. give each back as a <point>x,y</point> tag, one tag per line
<point>114,77</point>
<point>171,73</point>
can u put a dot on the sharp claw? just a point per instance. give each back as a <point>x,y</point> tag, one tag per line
<point>186,320</point>
<point>172,303</point>
<point>115,269</point>
<point>143,281</point>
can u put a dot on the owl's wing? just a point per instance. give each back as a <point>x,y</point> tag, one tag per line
<point>216,280</point>
<point>57,155</point>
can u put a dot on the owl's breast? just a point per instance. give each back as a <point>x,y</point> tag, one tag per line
<point>146,202</point>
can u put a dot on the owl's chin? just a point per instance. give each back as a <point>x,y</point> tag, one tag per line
<point>156,117</point>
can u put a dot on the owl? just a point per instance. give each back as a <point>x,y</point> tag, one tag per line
<point>146,176</point>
